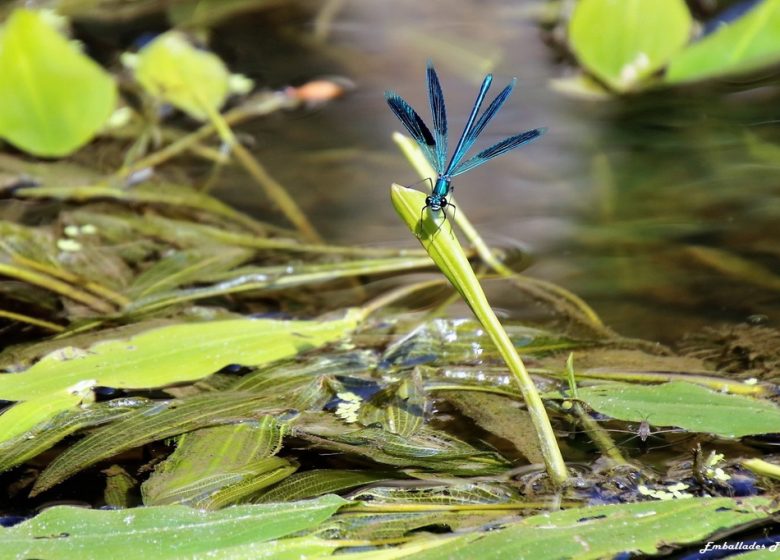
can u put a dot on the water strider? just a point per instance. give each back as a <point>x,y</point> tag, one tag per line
<point>434,146</point>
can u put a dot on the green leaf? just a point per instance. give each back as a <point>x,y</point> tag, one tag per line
<point>171,532</point>
<point>162,420</point>
<point>19,449</point>
<point>53,98</point>
<point>399,408</point>
<point>193,80</point>
<point>434,231</point>
<point>155,358</point>
<point>624,42</point>
<point>467,493</point>
<point>317,482</point>
<point>603,531</point>
<point>428,448</point>
<point>746,44</point>
<point>684,405</point>
<point>499,415</point>
<point>213,467</point>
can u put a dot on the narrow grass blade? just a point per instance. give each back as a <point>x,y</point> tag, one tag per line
<point>435,234</point>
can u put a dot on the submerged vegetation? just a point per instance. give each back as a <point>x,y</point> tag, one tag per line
<point>208,383</point>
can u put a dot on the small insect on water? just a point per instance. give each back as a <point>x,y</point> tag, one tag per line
<point>434,146</point>
<point>645,431</point>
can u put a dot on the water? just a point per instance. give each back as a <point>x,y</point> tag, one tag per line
<point>656,208</point>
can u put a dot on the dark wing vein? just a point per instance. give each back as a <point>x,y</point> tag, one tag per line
<point>436,99</point>
<point>498,149</point>
<point>414,125</point>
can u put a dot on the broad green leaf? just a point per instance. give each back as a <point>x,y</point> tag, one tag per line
<point>193,80</point>
<point>746,44</point>
<point>603,531</point>
<point>623,42</point>
<point>162,420</point>
<point>213,466</point>
<point>53,98</point>
<point>685,405</point>
<point>171,532</point>
<point>155,358</point>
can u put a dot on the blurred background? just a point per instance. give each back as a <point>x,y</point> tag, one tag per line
<point>657,203</point>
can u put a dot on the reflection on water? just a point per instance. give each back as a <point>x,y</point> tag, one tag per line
<point>657,209</point>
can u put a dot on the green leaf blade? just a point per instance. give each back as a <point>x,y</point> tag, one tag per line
<point>194,81</point>
<point>53,99</point>
<point>155,358</point>
<point>163,532</point>
<point>685,405</point>
<point>746,44</point>
<point>624,42</point>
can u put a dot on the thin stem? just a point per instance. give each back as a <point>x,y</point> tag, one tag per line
<point>67,276</point>
<point>31,320</point>
<point>268,104</point>
<point>54,285</point>
<point>400,293</point>
<point>273,189</point>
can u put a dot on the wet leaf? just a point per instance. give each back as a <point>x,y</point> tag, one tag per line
<point>172,532</point>
<point>459,341</point>
<point>193,80</point>
<point>314,483</point>
<point>684,405</point>
<point>603,531</point>
<point>376,526</point>
<point>448,494</point>
<point>623,43</point>
<point>746,44</point>
<point>214,467</point>
<point>501,416</point>
<point>399,408</point>
<point>155,358</point>
<point>428,448</point>
<point>15,359</point>
<point>162,420</point>
<point>35,244</point>
<point>53,98</point>
<point>43,436</point>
